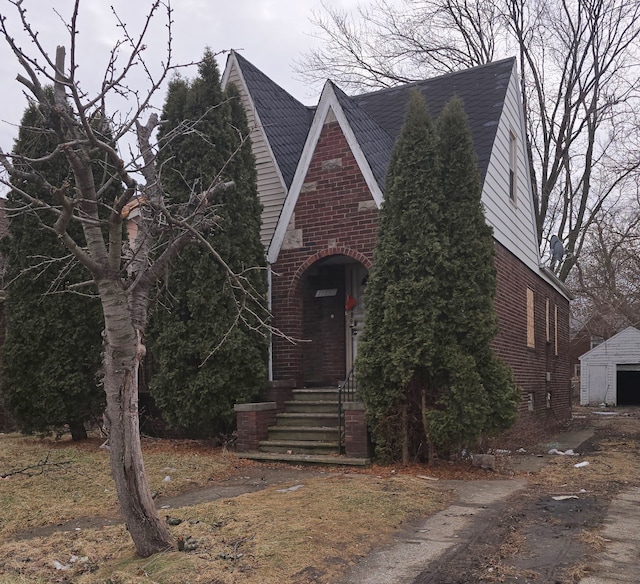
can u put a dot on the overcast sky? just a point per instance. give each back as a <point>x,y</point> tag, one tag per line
<point>271,33</point>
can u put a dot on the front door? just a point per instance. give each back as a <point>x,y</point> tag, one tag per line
<point>356,281</point>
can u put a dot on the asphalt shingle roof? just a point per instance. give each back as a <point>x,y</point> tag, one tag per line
<point>285,120</point>
<point>375,142</point>
<point>482,90</point>
<point>376,118</point>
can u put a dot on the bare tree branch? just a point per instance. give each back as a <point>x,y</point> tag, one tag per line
<point>579,82</point>
<point>37,469</point>
<point>100,192</point>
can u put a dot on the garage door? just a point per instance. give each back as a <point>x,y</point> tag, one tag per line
<point>597,384</point>
<point>628,385</point>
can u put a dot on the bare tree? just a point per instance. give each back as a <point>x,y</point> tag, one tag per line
<point>606,281</point>
<point>122,274</point>
<point>579,81</point>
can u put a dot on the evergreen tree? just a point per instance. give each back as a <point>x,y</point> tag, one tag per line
<point>488,404</point>
<point>402,293</point>
<point>204,137</point>
<point>425,368</point>
<point>52,350</point>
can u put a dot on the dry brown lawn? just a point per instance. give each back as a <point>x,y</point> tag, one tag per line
<point>312,534</point>
<point>611,467</point>
<point>264,537</point>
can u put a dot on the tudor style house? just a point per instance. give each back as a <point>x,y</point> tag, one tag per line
<point>321,178</point>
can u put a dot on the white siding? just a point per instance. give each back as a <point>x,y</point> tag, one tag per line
<point>599,367</point>
<point>513,222</point>
<point>598,382</point>
<point>270,184</point>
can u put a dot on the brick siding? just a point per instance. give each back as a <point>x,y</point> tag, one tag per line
<point>334,216</point>
<point>531,365</point>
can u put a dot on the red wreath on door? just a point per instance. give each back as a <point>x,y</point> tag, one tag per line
<point>350,303</point>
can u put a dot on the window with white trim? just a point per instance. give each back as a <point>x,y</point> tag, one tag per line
<point>548,321</point>
<point>555,330</point>
<point>513,165</point>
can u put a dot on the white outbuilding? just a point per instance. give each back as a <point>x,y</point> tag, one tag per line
<point>610,372</point>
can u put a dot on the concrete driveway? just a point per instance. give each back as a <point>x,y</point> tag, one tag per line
<point>461,542</point>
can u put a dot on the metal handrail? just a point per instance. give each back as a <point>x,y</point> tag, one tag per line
<point>347,391</point>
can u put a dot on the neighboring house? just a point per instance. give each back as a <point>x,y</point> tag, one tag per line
<point>321,178</point>
<point>610,372</point>
<point>584,336</point>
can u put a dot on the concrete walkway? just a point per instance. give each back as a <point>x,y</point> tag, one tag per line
<point>419,552</point>
<point>620,561</point>
<point>476,503</point>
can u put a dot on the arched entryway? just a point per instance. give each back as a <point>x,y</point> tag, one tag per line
<point>333,290</point>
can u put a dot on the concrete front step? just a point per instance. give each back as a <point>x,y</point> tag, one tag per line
<point>316,394</point>
<point>308,419</point>
<point>324,460</point>
<point>299,446</point>
<point>300,433</point>
<point>311,407</point>
<point>309,426</point>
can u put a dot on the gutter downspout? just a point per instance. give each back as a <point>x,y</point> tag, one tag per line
<point>269,306</point>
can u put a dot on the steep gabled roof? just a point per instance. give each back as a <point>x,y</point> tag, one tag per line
<point>482,89</point>
<point>374,140</point>
<point>285,120</point>
<point>331,104</point>
<point>377,117</point>
<point>371,123</point>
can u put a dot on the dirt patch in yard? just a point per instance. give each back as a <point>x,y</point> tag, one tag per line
<point>532,539</point>
<point>528,539</point>
<point>550,531</point>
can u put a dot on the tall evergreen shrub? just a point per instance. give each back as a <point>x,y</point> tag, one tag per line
<point>425,367</point>
<point>205,358</point>
<point>52,350</point>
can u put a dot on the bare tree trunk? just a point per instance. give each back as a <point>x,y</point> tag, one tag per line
<point>431,452</point>
<point>78,431</point>
<point>405,435</point>
<point>80,124</point>
<point>122,356</point>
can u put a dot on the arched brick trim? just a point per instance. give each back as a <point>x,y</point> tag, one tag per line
<point>323,253</point>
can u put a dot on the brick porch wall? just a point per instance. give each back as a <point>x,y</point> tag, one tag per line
<point>356,435</point>
<point>253,421</point>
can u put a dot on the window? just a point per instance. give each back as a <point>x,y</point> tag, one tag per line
<point>596,340</point>
<point>576,370</point>
<point>531,331</point>
<point>555,329</point>
<point>548,322</point>
<point>513,157</point>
